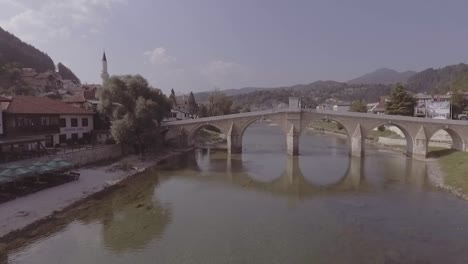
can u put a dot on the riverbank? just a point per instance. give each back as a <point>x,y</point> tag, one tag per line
<point>450,172</point>
<point>21,213</point>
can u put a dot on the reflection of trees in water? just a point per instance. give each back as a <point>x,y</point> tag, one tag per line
<point>130,216</point>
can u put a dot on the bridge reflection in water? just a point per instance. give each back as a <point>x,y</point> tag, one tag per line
<point>220,166</point>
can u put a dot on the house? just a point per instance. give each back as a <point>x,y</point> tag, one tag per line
<point>71,86</point>
<point>378,107</point>
<point>342,107</point>
<point>432,106</point>
<point>324,107</point>
<point>48,121</point>
<point>180,112</point>
<point>85,98</point>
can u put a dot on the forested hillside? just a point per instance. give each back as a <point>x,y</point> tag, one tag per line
<point>15,55</point>
<point>312,94</point>
<point>453,77</point>
<point>431,81</point>
<point>15,51</point>
<point>383,76</point>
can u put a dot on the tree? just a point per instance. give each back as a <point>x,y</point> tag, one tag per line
<point>458,104</point>
<point>134,108</point>
<point>66,73</point>
<point>203,111</point>
<point>359,106</point>
<point>400,103</point>
<point>219,104</point>
<point>192,104</point>
<point>172,98</point>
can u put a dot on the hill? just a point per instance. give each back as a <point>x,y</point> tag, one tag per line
<point>202,97</point>
<point>452,77</point>
<point>15,51</point>
<point>383,76</point>
<point>15,55</point>
<point>312,94</point>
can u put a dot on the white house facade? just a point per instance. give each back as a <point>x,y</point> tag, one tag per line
<point>74,127</point>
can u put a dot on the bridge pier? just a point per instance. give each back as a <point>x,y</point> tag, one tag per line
<point>234,140</point>
<point>420,144</point>
<point>234,144</point>
<point>292,142</point>
<point>357,143</point>
<point>182,141</point>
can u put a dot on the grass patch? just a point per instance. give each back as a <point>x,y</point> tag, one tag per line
<point>455,167</point>
<point>330,126</point>
<point>375,134</point>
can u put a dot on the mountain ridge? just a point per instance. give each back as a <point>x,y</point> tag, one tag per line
<point>383,76</point>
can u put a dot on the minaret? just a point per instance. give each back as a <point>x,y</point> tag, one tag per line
<point>104,74</point>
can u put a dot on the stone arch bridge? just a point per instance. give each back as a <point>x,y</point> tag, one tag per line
<point>294,120</point>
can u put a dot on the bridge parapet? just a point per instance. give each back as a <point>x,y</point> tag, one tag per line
<point>417,131</point>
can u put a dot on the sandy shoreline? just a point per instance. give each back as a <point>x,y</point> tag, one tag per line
<point>18,214</point>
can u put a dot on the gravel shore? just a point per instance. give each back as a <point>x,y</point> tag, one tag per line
<point>24,211</point>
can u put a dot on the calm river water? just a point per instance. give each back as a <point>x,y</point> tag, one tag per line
<point>265,207</point>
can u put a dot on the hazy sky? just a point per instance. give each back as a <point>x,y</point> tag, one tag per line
<point>201,44</point>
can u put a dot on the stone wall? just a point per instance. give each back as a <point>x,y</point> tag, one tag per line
<point>440,135</point>
<point>78,158</point>
<point>402,142</point>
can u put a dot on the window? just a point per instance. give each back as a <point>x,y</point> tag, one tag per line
<point>86,137</point>
<point>74,136</point>
<point>62,138</point>
<point>84,122</point>
<point>49,141</point>
<point>74,122</point>
<point>63,122</point>
<point>53,120</point>
<point>44,120</point>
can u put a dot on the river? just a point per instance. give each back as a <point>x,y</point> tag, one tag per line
<point>263,206</point>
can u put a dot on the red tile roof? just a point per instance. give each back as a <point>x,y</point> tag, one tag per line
<point>41,105</point>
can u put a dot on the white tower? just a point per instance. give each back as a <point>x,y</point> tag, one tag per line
<point>104,74</point>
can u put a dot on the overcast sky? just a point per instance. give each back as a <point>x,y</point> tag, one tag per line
<point>201,44</point>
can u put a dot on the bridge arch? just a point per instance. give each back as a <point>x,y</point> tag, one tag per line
<point>340,124</point>
<point>268,131</point>
<point>248,123</point>
<point>407,135</point>
<point>457,140</point>
<point>193,132</point>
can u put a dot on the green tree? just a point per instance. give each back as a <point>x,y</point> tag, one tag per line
<point>192,104</point>
<point>66,73</point>
<point>172,98</point>
<point>400,103</point>
<point>458,104</point>
<point>359,106</point>
<point>134,108</point>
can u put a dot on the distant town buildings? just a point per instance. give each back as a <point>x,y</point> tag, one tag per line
<point>42,82</point>
<point>334,105</point>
